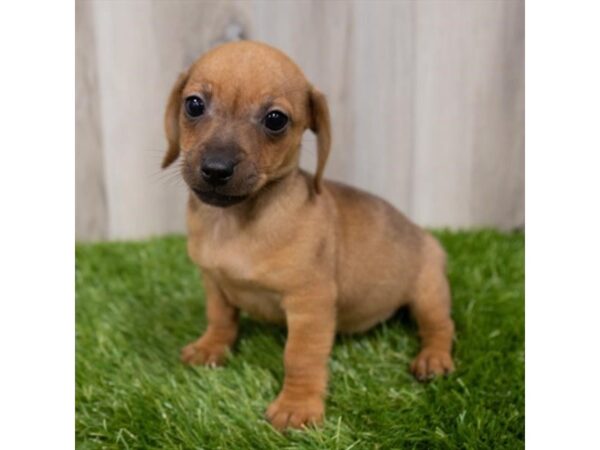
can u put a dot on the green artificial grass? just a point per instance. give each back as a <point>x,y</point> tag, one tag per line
<point>139,303</point>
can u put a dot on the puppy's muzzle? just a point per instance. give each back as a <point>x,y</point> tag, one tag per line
<point>216,170</point>
<point>221,174</point>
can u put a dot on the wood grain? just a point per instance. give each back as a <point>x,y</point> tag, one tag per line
<point>91,220</point>
<point>427,101</point>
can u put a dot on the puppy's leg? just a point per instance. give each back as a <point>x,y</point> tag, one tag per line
<point>212,347</point>
<point>431,309</point>
<point>311,330</point>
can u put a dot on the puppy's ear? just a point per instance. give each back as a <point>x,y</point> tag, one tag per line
<point>320,125</point>
<point>172,120</point>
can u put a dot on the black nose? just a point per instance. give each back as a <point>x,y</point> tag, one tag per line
<point>217,171</point>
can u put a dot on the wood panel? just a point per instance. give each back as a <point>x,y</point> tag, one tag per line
<point>426,99</point>
<point>469,121</point>
<point>91,218</point>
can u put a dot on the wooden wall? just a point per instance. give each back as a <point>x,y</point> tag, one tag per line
<point>427,100</point>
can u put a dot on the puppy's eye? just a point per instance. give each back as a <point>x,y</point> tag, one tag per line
<point>194,106</point>
<point>275,121</point>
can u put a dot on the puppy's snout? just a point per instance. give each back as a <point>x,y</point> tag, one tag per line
<point>217,170</point>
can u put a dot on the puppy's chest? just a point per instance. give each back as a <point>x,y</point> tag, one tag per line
<point>237,268</point>
<point>229,260</point>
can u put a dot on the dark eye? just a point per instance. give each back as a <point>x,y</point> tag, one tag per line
<point>194,106</point>
<point>275,121</point>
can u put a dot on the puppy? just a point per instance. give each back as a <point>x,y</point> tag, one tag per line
<point>285,246</point>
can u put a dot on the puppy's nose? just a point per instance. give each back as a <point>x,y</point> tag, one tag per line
<point>217,171</point>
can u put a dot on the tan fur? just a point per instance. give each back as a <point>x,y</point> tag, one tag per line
<point>317,256</point>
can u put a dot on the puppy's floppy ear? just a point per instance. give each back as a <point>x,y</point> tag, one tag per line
<point>172,120</point>
<point>320,125</point>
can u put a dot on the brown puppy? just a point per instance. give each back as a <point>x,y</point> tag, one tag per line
<point>284,246</point>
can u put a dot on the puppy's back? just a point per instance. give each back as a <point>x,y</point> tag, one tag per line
<point>378,253</point>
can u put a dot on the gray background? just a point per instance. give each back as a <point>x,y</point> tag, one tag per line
<point>427,102</point>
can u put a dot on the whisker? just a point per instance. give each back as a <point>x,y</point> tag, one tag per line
<point>153,150</point>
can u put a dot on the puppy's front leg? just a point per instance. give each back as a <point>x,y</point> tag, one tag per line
<point>310,320</point>
<point>212,347</point>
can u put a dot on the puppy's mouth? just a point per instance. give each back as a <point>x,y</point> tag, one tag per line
<point>214,198</point>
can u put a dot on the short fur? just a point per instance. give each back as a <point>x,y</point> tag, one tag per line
<point>317,256</point>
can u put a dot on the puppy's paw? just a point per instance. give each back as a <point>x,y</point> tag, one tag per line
<point>295,412</point>
<point>204,352</point>
<point>431,363</point>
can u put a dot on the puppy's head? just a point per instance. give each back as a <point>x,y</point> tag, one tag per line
<point>236,118</point>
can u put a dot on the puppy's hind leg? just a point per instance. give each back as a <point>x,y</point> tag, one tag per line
<point>431,309</point>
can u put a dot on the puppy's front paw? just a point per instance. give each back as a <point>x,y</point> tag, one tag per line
<point>430,363</point>
<point>204,352</point>
<point>289,411</point>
